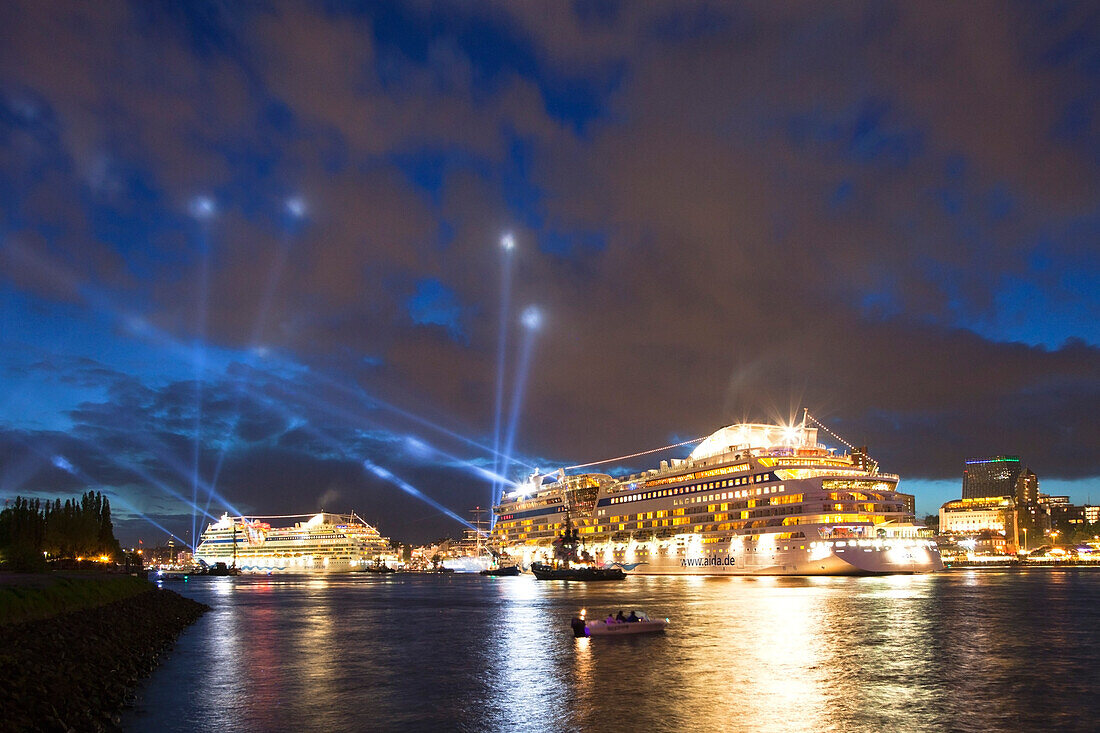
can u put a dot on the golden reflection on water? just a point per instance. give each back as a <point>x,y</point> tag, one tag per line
<point>518,654</point>
<point>222,654</point>
<point>315,655</point>
<point>928,652</point>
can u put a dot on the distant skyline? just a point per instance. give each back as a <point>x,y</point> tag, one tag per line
<point>251,257</point>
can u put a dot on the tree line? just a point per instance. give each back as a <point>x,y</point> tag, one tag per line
<point>31,529</point>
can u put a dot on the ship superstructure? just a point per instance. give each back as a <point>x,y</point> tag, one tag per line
<point>322,543</point>
<point>750,499</point>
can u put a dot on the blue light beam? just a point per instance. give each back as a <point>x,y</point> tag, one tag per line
<point>64,464</point>
<point>507,245</point>
<point>532,320</point>
<point>408,488</point>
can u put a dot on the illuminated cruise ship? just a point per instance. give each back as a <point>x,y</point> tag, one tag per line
<point>750,499</point>
<point>325,543</point>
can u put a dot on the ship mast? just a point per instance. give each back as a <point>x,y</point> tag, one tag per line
<point>479,530</point>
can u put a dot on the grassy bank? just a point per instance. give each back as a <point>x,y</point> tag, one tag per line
<point>75,670</point>
<point>31,597</point>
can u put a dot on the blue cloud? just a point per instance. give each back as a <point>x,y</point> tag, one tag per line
<point>495,48</point>
<point>572,245</point>
<point>867,132</point>
<point>427,167</point>
<point>434,304</point>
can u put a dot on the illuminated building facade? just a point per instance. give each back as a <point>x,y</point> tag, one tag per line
<point>999,495</point>
<point>1063,514</point>
<point>971,516</point>
<point>991,477</point>
<point>168,555</point>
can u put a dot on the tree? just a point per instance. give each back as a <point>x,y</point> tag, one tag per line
<point>28,529</point>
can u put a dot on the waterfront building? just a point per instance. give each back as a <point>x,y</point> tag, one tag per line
<point>991,477</point>
<point>169,554</point>
<point>1092,514</point>
<point>971,516</point>
<point>1027,487</point>
<point>1066,515</point>
<point>999,494</point>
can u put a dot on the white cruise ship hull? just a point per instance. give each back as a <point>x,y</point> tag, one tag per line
<point>764,555</point>
<point>273,565</point>
<point>848,561</point>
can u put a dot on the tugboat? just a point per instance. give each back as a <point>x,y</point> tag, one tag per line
<point>220,569</point>
<point>501,571</point>
<point>567,550</point>
<point>501,566</point>
<point>379,567</point>
<point>543,571</point>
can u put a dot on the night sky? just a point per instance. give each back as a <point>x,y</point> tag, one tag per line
<point>251,255</point>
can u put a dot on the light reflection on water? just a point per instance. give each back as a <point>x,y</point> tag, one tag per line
<point>985,650</point>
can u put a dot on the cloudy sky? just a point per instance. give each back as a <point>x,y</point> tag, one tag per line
<point>250,254</point>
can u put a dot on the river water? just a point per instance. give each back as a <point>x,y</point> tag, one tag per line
<point>981,650</point>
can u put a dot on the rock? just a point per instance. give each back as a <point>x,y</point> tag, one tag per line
<point>76,670</point>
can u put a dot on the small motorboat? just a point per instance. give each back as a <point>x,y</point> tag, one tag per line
<point>643,625</point>
<point>163,574</point>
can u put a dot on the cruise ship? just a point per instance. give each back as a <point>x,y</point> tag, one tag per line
<point>323,543</point>
<point>751,499</point>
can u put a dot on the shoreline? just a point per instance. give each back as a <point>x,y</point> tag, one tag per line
<point>77,669</point>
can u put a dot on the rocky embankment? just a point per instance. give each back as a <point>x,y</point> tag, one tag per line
<point>75,671</point>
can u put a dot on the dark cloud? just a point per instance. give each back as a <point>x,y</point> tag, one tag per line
<point>884,213</point>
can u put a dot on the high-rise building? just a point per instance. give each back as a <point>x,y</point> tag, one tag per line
<point>1000,495</point>
<point>991,477</point>
<point>1027,487</point>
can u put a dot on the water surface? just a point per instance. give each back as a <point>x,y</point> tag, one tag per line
<point>990,649</point>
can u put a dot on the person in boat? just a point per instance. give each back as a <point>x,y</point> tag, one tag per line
<point>633,617</point>
<point>610,619</point>
<point>620,618</point>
